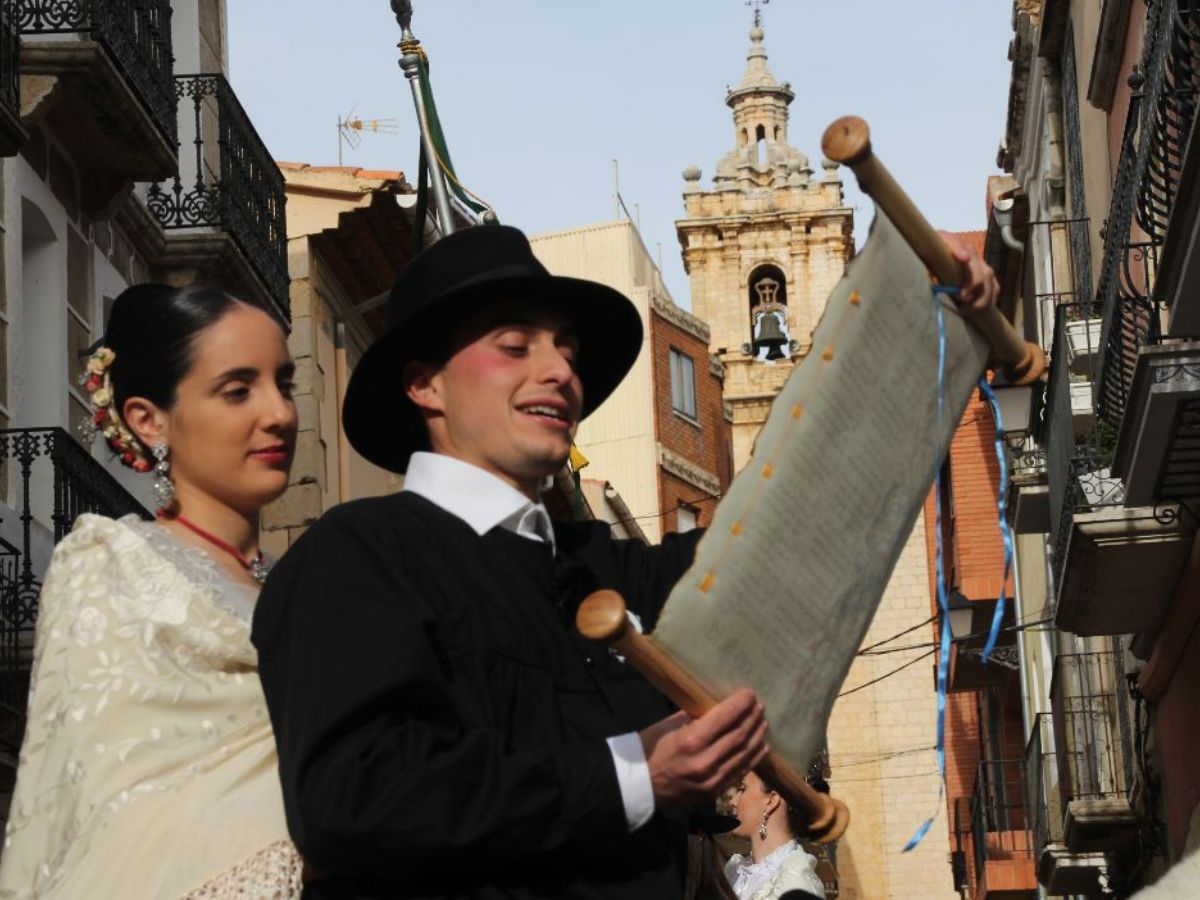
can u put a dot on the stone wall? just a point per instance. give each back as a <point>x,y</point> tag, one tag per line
<point>881,753</point>
<point>301,504</point>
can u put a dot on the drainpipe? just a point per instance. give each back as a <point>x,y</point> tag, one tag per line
<point>624,516</point>
<point>340,379</point>
<point>1002,212</point>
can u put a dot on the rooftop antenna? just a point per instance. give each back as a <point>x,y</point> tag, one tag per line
<point>351,128</point>
<point>757,5</point>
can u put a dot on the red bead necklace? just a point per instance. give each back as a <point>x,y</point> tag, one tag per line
<point>257,567</point>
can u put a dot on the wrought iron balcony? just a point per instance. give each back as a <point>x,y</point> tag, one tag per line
<point>1178,209</point>
<point>49,479</point>
<point>12,132</point>
<point>1114,567</point>
<point>1066,277</point>
<point>116,108</point>
<point>1152,363</point>
<point>1157,130</point>
<point>224,208</point>
<point>961,824</point>
<point>1028,494</point>
<point>1092,740</point>
<point>1000,837</point>
<point>1059,870</point>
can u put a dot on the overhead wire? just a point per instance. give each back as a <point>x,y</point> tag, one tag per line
<point>894,671</point>
<point>899,634</point>
<point>666,512</point>
<point>874,760</point>
<point>1022,626</point>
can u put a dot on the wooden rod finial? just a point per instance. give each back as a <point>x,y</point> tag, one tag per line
<point>601,617</point>
<point>847,140</point>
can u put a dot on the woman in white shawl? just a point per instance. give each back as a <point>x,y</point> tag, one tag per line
<point>148,766</point>
<point>777,867</point>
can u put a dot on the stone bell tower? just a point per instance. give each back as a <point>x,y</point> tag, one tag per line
<point>763,247</point>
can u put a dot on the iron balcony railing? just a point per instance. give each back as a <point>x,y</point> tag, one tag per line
<point>1041,785</point>
<point>1171,116</point>
<point>136,34</point>
<point>10,59</point>
<point>1026,463</point>
<point>229,182</point>
<point>1064,274</point>
<point>999,822</point>
<point>49,478</point>
<point>1158,126</point>
<point>1090,730</point>
<point>1077,464</point>
<point>962,840</point>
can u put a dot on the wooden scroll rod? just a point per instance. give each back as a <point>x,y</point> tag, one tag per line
<point>602,618</point>
<point>848,141</point>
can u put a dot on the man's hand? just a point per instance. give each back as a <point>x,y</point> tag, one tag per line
<point>693,761</point>
<point>980,290</point>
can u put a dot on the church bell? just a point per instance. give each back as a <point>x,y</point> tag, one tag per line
<point>770,335</point>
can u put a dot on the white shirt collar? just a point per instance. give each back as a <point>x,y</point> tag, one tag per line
<point>477,497</point>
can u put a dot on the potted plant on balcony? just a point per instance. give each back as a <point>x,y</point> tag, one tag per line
<point>1081,394</point>
<point>1083,332</point>
<point>1092,466</point>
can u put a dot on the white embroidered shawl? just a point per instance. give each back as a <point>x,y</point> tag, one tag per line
<point>148,768</point>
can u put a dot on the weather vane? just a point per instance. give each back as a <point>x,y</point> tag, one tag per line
<point>758,5</point>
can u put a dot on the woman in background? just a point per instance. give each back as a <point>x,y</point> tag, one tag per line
<point>777,865</point>
<point>148,767</point>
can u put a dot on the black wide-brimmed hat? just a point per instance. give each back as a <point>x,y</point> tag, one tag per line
<point>460,275</point>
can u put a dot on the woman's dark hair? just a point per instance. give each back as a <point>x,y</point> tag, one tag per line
<point>152,330</point>
<point>797,825</point>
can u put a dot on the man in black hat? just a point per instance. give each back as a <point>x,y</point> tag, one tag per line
<point>443,731</point>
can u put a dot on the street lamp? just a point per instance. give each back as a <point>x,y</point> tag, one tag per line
<point>1017,404</point>
<point>962,615</point>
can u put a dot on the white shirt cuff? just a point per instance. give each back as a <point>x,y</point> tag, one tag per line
<point>633,777</point>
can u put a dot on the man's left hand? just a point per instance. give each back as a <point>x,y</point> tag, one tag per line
<point>980,289</point>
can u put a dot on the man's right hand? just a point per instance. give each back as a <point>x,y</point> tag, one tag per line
<point>693,760</point>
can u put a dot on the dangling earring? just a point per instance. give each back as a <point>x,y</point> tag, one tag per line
<point>164,488</point>
<point>762,826</point>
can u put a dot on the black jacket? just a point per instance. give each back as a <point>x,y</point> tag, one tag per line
<point>441,725</point>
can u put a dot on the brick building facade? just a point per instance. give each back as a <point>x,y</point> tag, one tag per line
<point>985,731</point>
<point>663,438</point>
<point>695,446</point>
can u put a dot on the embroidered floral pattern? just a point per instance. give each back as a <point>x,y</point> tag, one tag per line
<point>144,693</point>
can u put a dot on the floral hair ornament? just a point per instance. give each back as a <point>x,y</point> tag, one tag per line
<point>105,419</point>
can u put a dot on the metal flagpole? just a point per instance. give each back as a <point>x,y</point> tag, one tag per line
<point>410,64</point>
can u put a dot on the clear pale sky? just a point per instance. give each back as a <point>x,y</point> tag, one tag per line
<point>539,96</point>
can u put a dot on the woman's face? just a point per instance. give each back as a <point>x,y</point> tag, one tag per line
<point>232,428</point>
<point>750,798</point>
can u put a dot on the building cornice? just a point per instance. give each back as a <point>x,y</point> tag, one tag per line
<point>688,471</point>
<point>767,219</point>
<point>1021,52</point>
<point>680,318</point>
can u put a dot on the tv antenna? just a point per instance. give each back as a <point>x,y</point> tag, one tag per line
<point>352,127</point>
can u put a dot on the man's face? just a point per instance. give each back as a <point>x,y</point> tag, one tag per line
<point>508,400</point>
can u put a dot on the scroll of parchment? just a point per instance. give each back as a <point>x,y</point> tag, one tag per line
<point>788,577</point>
<point>790,574</point>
